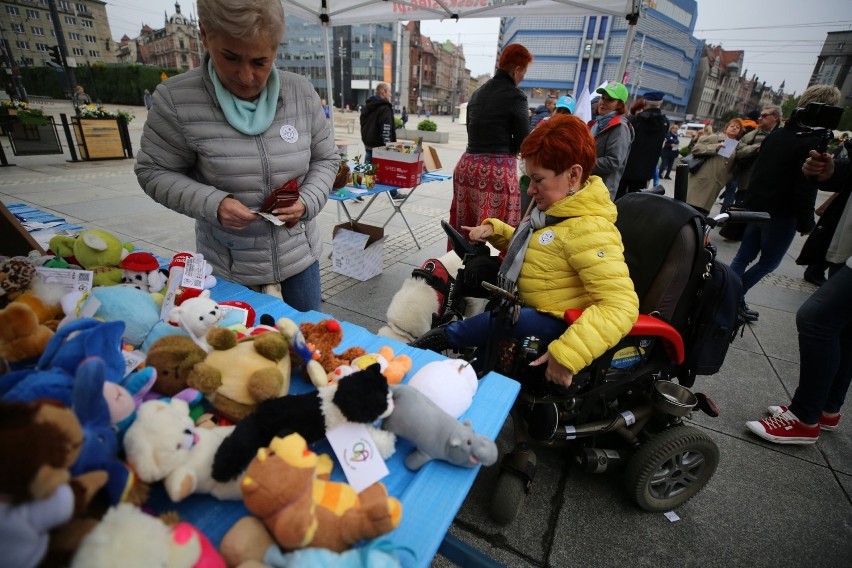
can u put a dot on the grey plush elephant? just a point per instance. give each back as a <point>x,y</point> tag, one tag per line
<point>434,433</point>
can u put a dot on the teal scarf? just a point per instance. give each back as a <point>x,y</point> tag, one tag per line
<point>250,118</point>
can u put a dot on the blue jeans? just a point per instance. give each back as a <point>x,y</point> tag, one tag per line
<point>825,348</point>
<point>770,240</point>
<point>479,330</point>
<point>302,291</point>
<point>368,159</point>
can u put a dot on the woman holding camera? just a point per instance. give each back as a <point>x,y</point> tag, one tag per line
<point>220,139</point>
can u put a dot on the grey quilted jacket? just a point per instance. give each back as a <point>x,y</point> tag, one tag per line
<point>191,159</point>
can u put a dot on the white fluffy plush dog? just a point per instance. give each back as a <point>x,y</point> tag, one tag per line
<point>163,443</point>
<point>410,312</point>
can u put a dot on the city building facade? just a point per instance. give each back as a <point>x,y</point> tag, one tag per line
<point>833,65</point>
<point>177,45</point>
<point>575,53</point>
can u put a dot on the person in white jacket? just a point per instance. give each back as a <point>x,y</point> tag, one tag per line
<point>222,137</point>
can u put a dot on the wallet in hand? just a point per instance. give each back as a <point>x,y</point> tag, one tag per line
<point>283,196</point>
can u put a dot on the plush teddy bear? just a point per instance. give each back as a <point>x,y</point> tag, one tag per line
<point>43,439</point>
<point>393,367</point>
<point>236,375</point>
<point>362,398</point>
<point>283,488</point>
<point>140,539</point>
<point>95,250</point>
<point>22,337</point>
<point>173,357</point>
<point>325,335</point>
<point>196,316</point>
<point>164,444</point>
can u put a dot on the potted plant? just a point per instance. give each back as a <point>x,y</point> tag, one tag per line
<point>33,117</point>
<point>342,172</point>
<point>370,171</point>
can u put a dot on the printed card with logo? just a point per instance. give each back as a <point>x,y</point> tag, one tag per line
<point>358,456</point>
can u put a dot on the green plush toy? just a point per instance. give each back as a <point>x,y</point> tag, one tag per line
<point>95,250</point>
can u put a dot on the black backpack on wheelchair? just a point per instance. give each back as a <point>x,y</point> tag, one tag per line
<point>626,410</point>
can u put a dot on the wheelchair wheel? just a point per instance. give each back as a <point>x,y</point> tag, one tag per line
<point>509,495</point>
<point>671,468</point>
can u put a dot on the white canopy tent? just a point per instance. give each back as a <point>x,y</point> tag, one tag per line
<point>348,12</point>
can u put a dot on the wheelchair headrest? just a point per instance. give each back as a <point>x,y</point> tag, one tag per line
<point>649,225</point>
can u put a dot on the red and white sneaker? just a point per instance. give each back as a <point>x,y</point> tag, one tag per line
<point>784,428</point>
<point>828,423</point>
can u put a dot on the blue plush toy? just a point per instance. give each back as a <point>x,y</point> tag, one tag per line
<point>53,376</point>
<point>100,442</point>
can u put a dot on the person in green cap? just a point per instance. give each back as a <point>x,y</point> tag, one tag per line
<point>613,135</point>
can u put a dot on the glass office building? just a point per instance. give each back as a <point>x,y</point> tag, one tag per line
<point>575,53</point>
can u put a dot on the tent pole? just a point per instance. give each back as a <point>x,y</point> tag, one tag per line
<point>628,42</point>
<point>328,77</point>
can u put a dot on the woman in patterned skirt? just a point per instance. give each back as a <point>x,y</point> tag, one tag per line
<point>485,180</point>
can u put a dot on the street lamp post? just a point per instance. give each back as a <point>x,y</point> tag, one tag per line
<point>342,55</point>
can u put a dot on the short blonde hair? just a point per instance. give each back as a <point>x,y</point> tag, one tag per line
<point>828,94</point>
<point>243,19</point>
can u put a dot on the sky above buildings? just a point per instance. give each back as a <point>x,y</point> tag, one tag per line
<point>781,38</point>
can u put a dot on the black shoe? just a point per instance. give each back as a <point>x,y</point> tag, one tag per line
<point>433,340</point>
<point>399,196</point>
<point>815,279</point>
<point>667,177</point>
<point>748,314</point>
<point>359,200</point>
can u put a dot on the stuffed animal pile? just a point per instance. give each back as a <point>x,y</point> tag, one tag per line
<point>157,388</point>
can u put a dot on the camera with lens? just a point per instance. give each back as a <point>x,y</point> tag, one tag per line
<point>817,120</point>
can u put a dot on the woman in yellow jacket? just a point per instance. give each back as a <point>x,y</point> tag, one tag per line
<point>567,253</point>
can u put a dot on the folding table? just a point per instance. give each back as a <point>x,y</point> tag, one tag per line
<point>341,196</point>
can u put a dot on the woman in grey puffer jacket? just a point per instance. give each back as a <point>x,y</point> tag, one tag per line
<point>220,138</point>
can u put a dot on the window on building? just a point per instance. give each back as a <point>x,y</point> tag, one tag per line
<point>841,45</point>
<point>91,39</point>
<point>52,33</point>
<point>28,61</point>
<point>78,51</point>
<point>181,44</point>
<point>63,5</point>
<point>94,53</point>
<point>183,57</point>
<point>33,14</point>
<point>87,23</point>
<point>74,36</point>
<point>70,20</point>
<point>82,8</point>
<point>38,31</point>
<point>22,44</point>
<point>18,28</point>
<point>41,47</point>
<point>13,10</point>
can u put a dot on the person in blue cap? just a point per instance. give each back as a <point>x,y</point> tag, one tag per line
<point>650,127</point>
<point>565,105</point>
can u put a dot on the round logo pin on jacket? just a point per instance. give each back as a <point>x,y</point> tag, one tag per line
<point>289,133</point>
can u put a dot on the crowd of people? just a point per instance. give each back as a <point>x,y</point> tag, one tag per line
<point>540,187</point>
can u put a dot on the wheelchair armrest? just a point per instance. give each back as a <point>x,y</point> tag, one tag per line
<point>648,325</point>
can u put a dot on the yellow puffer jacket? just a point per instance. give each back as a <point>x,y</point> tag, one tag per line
<point>578,263</point>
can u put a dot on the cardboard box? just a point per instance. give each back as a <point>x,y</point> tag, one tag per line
<point>431,161</point>
<point>357,250</point>
<point>398,168</point>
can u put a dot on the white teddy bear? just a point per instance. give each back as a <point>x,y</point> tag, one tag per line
<point>164,444</point>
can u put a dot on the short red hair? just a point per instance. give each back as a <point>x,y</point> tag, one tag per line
<point>560,142</point>
<point>514,55</point>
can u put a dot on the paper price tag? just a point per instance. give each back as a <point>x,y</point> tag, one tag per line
<point>358,456</point>
<point>193,272</point>
<point>132,360</point>
<point>69,280</point>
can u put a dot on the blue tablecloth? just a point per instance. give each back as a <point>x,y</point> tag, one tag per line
<point>430,498</point>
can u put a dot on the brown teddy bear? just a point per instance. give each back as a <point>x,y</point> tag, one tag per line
<point>286,486</point>
<point>173,356</point>
<point>43,439</point>
<point>236,375</point>
<point>325,335</point>
<point>22,336</point>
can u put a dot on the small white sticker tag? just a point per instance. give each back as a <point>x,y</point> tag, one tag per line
<point>629,418</point>
<point>193,272</point>
<point>70,280</point>
<point>570,432</point>
<point>132,360</point>
<point>358,456</point>
<point>672,516</point>
<point>289,133</point>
